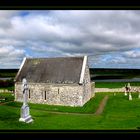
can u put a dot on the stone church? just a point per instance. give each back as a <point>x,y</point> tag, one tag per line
<point>55,81</point>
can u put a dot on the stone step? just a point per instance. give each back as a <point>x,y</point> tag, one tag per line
<point>28,120</point>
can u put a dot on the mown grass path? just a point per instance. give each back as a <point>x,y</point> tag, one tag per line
<point>98,111</point>
<point>117,113</point>
<point>101,106</point>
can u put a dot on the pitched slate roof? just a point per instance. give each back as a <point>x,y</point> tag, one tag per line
<point>51,70</point>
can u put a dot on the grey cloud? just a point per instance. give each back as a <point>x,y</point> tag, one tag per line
<point>132,54</point>
<point>5,17</point>
<point>69,33</point>
<point>10,57</point>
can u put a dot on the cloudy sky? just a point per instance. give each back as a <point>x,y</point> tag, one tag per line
<point>110,38</point>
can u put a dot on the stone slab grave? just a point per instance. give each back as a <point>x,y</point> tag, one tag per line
<point>25,110</point>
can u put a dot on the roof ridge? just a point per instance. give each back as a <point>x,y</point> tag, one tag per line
<point>53,57</point>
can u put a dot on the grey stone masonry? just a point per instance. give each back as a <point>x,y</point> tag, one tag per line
<point>5,90</point>
<point>53,94</point>
<point>133,89</point>
<point>87,89</point>
<point>56,81</point>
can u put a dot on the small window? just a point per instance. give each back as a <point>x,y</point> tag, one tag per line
<point>29,94</point>
<point>45,95</point>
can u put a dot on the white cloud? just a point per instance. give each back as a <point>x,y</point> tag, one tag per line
<point>132,54</point>
<point>118,60</point>
<point>5,17</point>
<point>69,33</point>
<point>9,56</point>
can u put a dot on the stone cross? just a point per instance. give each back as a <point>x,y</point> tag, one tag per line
<point>24,90</point>
<point>25,110</point>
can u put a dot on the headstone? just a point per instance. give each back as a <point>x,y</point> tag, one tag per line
<point>130,96</point>
<point>125,93</point>
<point>127,89</point>
<point>25,110</point>
<point>128,85</point>
<point>139,96</point>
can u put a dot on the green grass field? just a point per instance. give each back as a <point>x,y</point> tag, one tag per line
<point>114,84</point>
<point>119,113</point>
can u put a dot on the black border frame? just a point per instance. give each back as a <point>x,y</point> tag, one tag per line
<point>69,5</point>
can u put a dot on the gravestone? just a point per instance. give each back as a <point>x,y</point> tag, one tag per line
<point>125,93</point>
<point>130,96</point>
<point>127,90</point>
<point>139,96</point>
<point>25,110</point>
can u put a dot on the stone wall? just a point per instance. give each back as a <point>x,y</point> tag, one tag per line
<point>87,91</point>
<point>52,94</point>
<point>133,89</point>
<point>109,90</point>
<point>58,94</point>
<point>6,91</point>
<point>93,89</point>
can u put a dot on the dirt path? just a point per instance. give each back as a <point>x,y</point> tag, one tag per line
<point>101,106</point>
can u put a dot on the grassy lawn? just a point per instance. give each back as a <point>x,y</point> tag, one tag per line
<point>114,84</point>
<point>8,88</point>
<point>89,107</point>
<point>6,97</point>
<point>119,113</point>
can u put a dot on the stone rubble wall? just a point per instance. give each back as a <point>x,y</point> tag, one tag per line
<point>88,93</point>
<point>58,94</point>
<point>6,91</point>
<point>67,95</point>
<point>133,89</point>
